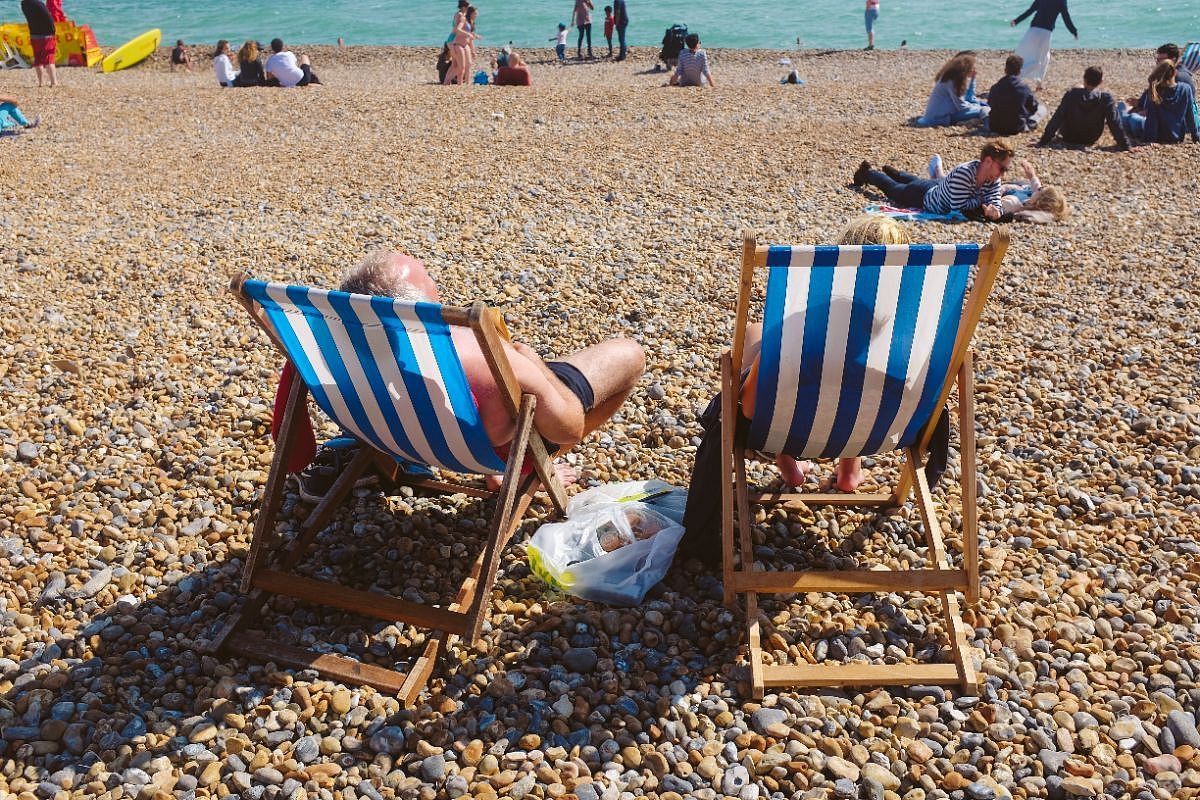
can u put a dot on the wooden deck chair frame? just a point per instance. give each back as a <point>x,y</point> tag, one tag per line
<point>465,615</point>
<point>941,579</point>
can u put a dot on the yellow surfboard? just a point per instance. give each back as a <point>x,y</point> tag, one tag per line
<point>135,51</point>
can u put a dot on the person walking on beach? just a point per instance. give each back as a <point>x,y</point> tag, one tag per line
<point>1082,114</point>
<point>692,69</point>
<point>969,186</point>
<point>621,22</point>
<point>1035,45</point>
<point>583,21</point>
<point>560,42</point>
<point>872,14</point>
<point>459,36</point>
<point>42,38</point>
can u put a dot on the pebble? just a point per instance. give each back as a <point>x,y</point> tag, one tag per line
<point>135,401</point>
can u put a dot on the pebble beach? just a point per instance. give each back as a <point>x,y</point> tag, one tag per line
<point>135,406</point>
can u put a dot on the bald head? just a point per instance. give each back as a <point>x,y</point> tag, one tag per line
<point>391,274</point>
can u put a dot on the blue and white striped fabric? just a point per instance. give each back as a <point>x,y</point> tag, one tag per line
<point>385,370</point>
<point>1190,57</point>
<point>857,343</point>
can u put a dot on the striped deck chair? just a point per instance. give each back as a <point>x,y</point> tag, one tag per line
<point>861,346</point>
<point>1190,57</point>
<point>387,371</point>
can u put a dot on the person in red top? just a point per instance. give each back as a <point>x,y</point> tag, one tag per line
<point>515,71</point>
<point>42,37</point>
<point>56,11</point>
<point>610,22</point>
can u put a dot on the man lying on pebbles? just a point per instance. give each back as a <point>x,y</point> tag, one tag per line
<point>575,395</point>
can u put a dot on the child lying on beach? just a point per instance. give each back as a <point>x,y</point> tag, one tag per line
<point>1028,201</point>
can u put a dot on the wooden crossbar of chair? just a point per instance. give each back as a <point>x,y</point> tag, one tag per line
<point>269,569</point>
<point>941,579</point>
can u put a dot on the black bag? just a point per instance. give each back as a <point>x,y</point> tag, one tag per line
<point>672,43</point>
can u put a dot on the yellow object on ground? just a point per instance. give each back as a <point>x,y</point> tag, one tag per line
<point>132,52</point>
<point>76,43</point>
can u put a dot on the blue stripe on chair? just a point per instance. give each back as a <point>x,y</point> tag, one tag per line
<point>858,344</point>
<point>939,361</point>
<point>1190,57</point>
<point>462,402</point>
<point>816,326</point>
<point>772,338</point>
<point>340,302</point>
<point>892,393</point>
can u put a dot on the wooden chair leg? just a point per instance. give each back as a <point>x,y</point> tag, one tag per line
<point>959,646</point>
<point>544,466</point>
<point>264,526</point>
<point>728,430</point>
<point>970,503</point>
<point>501,517</point>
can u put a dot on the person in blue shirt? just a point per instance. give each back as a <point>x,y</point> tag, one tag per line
<point>1035,45</point>
<point>1166,110</point>
<point>948,103</point>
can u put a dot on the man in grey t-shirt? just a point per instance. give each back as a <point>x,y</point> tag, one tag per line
<point>692,68</point>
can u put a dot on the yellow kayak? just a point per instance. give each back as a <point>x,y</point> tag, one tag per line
<point>132,52</point>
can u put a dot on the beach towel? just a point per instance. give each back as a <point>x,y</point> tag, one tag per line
<point>913,214</point>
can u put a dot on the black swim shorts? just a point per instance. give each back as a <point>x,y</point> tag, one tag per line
<point>574,380</point>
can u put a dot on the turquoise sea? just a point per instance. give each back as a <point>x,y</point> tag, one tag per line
<point>775,24</point>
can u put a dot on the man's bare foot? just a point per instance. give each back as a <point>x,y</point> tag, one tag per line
<point>566,476</point>
<point>850,474</point>
<point>794,472</point>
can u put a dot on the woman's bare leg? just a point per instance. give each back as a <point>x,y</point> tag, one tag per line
<point>793,471</point>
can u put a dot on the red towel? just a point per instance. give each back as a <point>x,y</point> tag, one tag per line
<point>305,446</point>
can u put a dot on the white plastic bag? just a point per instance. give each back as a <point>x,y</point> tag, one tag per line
<point>611,548</point>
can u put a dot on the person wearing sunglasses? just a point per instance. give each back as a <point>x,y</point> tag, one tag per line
<point>969,187</point>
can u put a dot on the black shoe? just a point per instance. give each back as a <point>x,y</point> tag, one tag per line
<point>891,172</point>
<point>860,174</point>
<point>329,463</point>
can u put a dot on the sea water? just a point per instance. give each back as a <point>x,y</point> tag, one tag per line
<point>772,24</point>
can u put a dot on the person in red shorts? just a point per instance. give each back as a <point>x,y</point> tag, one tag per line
<point>41,36</point>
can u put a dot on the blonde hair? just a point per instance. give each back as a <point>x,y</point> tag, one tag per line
<point>874,229</point>
<point>1050,199</point>
<point>249,52</point>
<point>376,275</point>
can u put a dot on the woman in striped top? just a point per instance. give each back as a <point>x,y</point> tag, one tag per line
<point>975,184</point>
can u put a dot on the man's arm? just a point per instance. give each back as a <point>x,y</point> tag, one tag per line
<point>558,415</point>
<point>992,207</point>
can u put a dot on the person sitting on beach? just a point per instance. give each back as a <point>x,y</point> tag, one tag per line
<point>702,514</point>
<point>1170,52</point>
<point>1027,201</point>
<point>1166,112</point>
<point>514,71</point>
<point>445,63</point>
<point>1082,114</point>
<point>180,57</point>
<point>283,66</point>
<point>969,186</point>
<point>1014,109</point>
<point>12,121</point>
<point>575,394</point>
<point>251,72</point>
<point>692,68</point>
<point>948,103</point>
<point>223,65</point>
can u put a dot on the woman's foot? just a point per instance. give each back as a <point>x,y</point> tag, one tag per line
<point>794,472</point>
<point>850,474</point>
